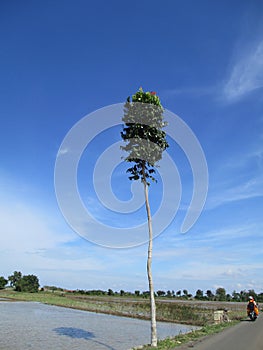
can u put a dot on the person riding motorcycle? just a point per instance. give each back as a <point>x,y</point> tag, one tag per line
<point>252,306</point>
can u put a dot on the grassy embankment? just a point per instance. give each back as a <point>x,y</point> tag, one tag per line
<point>189,312</point>
<point>189,338</point>
<point>193,313</point>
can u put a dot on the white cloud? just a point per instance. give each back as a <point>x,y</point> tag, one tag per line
<point>249,189</point>
<point>32,238</point>
<point>23,228</point>
<point>34,243</point>
<point>63,151</point>
<point>246,74</point>
<point>195,92</point>
<point>238,177</point>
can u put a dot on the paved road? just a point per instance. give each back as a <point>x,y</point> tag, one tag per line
<point>247,335</point>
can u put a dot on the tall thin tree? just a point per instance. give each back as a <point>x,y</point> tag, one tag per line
<point>145,142</point>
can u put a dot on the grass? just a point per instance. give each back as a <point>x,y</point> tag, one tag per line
<point>189,338</point>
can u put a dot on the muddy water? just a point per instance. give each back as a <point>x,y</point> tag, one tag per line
<point>35,326</point>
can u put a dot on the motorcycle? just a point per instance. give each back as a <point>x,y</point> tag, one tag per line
<point>252,315</point>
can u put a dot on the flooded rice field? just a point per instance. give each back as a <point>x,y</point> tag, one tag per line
<point>35,326</point>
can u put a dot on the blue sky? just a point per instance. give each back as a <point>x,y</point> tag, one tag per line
<point>63,60</point>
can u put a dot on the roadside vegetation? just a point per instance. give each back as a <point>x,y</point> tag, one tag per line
<point>188,338</point>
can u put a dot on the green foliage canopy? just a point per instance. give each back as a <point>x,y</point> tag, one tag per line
<point>3,282</point>
<point>15,278</point>
<point>143,134</point>
<point>28,283</point>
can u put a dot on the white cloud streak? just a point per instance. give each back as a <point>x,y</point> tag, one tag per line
<point>25,229</point>
<point>250,189</point>
<point>246,74</point>
<point>237,178</point>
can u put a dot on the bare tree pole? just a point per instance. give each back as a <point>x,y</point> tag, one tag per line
<point>146,142</point>
<point>149,267</point>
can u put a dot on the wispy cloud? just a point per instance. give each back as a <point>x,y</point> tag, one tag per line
<point>249,189</point>
<point>28,228</point>
<point>237,177</point>
<point>32,240</point>
<point>214,255</point>
<point>246,74</point>
<point>63,151</point>
<point>192,91</point>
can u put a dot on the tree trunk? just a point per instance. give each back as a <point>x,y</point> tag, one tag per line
<point>149,269</point>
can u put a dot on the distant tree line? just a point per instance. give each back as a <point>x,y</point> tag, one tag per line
<point>30,283</point>
<point>20,283</point>
<point>219,295</point>
<point>52,289</point>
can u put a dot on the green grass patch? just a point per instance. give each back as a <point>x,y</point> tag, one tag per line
<point>189,338</point>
